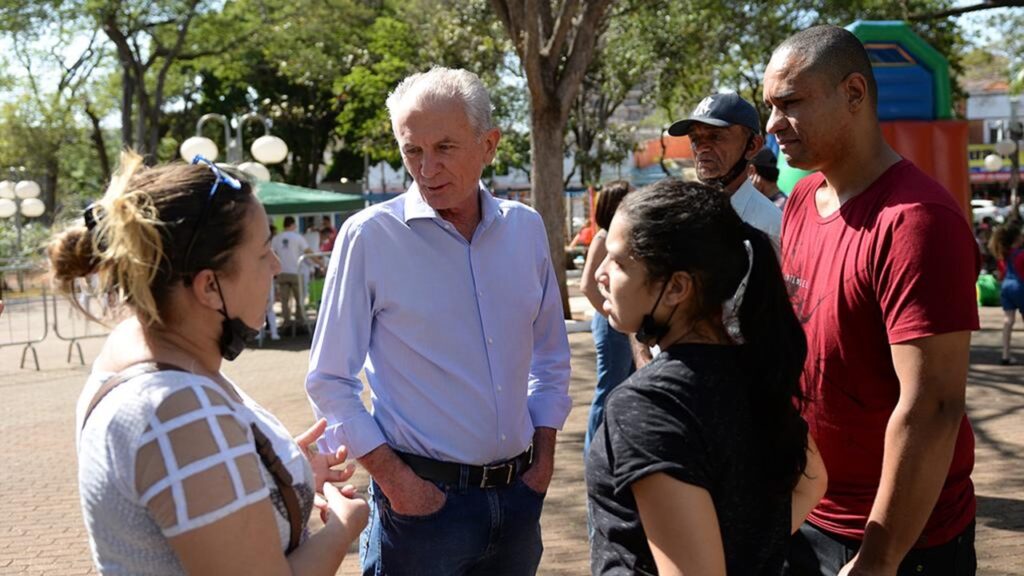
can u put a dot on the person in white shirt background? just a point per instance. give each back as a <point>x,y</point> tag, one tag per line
<point>289,246</point>
<point>309,265</point>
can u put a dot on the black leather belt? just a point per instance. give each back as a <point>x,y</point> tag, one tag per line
<point>491,476</point>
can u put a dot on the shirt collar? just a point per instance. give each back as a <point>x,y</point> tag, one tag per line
<point>416,207</point>
<point>742,196</point>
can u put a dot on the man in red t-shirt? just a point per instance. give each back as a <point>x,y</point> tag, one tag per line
<point>881,266</point>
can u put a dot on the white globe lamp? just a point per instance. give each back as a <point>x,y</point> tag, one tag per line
<point>198,146</point>
<point>26,189</point>
<point>7,189</point>
<point>993,162</point>
<point>32,208</point>
<point>269,150</point>
<point>7,207</point>
<point>1005,147</point>
<point>256,171</point>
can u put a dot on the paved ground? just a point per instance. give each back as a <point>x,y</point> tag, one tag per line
<point>41,530</point>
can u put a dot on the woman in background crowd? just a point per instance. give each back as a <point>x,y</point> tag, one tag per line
<point>614,355</point>
<point>1005,246</point>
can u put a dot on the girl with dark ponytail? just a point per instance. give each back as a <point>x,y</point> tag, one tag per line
<point>703,463</point>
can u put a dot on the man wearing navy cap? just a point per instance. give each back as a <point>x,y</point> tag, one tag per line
<point>725,133</point>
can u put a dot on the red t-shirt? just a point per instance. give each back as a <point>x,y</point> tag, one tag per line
<point>1018,264</point>
<point>330,234</point>
<point>895,263</point>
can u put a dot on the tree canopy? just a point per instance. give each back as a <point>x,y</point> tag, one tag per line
<point>82,78</point>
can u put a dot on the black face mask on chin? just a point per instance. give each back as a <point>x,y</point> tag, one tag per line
<point>234,332</point>
<point>651,331</point>
<point>738,168</point>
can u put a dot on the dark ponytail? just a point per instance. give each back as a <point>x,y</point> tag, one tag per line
<point>775,348</point>
<point>687,226</point>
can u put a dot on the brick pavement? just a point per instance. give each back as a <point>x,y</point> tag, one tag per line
<point>41,530</point>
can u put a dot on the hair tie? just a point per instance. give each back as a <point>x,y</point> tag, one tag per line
<point>90,216</point>
<point>731,307</point>
<point>92,213</point>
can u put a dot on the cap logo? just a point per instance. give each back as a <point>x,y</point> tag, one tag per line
<point>704,107</point>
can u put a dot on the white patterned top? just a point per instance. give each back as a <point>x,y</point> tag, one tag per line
<point>168,452</point>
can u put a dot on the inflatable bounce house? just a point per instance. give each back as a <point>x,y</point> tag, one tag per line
<point>914,106</point>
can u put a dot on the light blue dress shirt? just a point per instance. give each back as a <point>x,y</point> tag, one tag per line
<point>463,343</point>
<point>757,210</point>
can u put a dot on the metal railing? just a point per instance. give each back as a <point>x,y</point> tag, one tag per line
<point>25,321</point>
<point>79,326</point>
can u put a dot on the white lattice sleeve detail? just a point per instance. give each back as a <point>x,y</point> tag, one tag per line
<point>197,462</point>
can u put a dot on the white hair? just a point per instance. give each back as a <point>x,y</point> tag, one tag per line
<point>440,85</point>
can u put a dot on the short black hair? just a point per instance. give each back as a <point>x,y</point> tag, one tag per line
<point>289,221</point>
<point>769,173</point>
<point>835,53</point>
<point>766,165</point>
<point>608,202</point>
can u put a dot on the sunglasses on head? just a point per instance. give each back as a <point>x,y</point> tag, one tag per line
<point>221,178</point>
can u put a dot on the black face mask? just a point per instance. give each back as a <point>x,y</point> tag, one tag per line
<point>233,332</point>
<point>651,332</point>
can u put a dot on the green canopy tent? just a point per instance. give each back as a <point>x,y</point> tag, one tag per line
<point>282,199</point>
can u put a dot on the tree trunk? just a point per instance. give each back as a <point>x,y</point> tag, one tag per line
<point>49,188</point>
<point>548,195</point>
<point>99,143</point>
<point>153,130</point>
<point>127,109</point>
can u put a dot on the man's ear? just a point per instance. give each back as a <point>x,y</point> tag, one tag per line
<point>490,141</point>
<point>855,88</point>
<point>756,143</point>
<point>204,290</point>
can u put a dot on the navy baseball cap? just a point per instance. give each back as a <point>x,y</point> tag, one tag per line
<point>721,110</point>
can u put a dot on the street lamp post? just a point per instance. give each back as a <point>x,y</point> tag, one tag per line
<point>1012,131</point>
<point>266,149</point>
<point>19,197</point>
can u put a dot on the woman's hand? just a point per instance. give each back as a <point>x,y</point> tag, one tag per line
<point>343,510</point>
<point>323,464</point>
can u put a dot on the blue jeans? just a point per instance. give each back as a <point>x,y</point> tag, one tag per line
<point>614,364</point>
<point>485,531</point>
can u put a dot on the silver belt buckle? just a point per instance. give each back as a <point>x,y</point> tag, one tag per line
<point>488,469</point>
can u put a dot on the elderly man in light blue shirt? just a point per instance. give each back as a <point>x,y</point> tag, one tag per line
<point>447,298</point>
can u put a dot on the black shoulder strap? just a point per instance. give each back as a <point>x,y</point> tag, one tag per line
<point>265,449</point>
<point>283,479</point>
<point>133,371</point>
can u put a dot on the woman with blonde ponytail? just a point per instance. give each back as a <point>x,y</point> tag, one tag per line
<point>180,471</point>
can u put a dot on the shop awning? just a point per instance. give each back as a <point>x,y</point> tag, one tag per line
<point>280,199</point>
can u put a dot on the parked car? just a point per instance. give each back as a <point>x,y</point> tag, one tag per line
<point>982,208</point>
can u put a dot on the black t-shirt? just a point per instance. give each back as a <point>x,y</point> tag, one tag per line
<point>687,414</point>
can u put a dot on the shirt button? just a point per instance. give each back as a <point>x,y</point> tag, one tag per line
<point>502,436</point>
<point>490,340</point>
<point>499,388</point>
